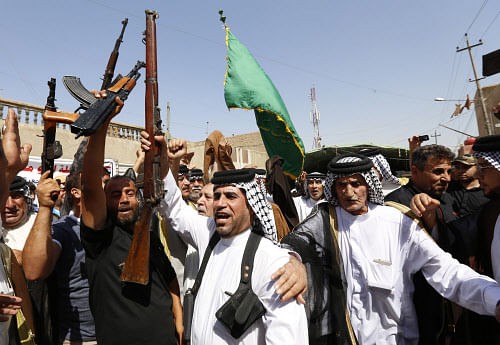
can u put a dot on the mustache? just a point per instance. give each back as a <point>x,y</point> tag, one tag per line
<point>353,198</point>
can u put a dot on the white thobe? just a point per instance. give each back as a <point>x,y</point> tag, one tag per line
<point>304,206</point>
<point>283,323</point>
<point>16,237</point>
<point>381,250</point>
<point>495,251</point>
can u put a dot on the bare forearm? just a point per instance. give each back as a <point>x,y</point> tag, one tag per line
<point>40,253</point>
<point>173,165</point>
<point>93,198</point>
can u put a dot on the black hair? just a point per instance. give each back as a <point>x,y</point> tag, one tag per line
<point>422,154</point>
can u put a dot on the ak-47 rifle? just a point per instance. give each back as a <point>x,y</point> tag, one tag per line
<point>80,92</point>
<point>97,113</point>
<point>136,268</point>
<point>52,148</point>
<point>110,67</point>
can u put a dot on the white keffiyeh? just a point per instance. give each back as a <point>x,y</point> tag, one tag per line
<point>492,157</point>
<point>382,165</point>
<point>261,207</point>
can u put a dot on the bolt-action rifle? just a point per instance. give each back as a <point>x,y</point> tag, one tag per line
<point>80,92</point>
<point>97,113</point>
<point>52,148</point>
<point>137,263</point>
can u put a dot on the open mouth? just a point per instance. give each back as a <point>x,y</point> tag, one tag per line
<point>11,212</point>
<point>221,218</point>
<point>125,210</point>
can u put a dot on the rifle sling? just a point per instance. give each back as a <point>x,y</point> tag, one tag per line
<point>211,245</point>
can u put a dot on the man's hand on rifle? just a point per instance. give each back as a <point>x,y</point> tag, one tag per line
<point>47,191</point>
<point>146,146</point>
<point>104,94</point>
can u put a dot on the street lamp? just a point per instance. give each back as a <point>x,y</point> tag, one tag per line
<point>441,99</point>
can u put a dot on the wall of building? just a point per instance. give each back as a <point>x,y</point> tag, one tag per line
<point>123,140</point>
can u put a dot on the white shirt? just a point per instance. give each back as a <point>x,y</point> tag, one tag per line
<point>381,250</point>
<point>283,323</point>
<point>16,237</point>
<point>304,206</point>
<point>495,251</point>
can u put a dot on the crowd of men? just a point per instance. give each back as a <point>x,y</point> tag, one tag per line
<point>349,255</point>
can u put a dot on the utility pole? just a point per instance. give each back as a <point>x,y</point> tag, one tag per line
<point>435,136</point>
<point>168,122</point>
<point>206,132</point>
<point>315,120</point>
<point>487,122</point>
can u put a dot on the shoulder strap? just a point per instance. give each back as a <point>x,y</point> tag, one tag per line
<point>248,257</point>
<point>15,277</point>
<point>406,211</point>
<point>211,245</point>
<point>6,258</point>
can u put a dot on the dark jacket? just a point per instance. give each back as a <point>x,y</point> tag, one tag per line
<point>326,294</point>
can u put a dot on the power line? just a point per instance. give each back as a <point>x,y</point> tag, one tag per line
<point>477,15</point>
<point>374,89</point>
<point>489,26</point>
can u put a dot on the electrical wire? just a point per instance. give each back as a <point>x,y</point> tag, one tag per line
<point>346,82</point>
<point>489,26</point>
<point>477,15</point>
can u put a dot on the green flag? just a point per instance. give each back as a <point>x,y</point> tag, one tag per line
<point>247,86</point>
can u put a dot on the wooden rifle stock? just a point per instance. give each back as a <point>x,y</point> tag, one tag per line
<point>52,149</point>
<point>110,67</point>
<point>136,268</point>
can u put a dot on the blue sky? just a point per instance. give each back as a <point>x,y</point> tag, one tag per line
<point>377,65</point>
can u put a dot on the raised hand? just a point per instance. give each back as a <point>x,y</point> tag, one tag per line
<point>47,191</point>
<point>13,156</point>
<point>177,148</point>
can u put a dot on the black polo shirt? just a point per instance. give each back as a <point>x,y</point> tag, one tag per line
<point>125,313</point>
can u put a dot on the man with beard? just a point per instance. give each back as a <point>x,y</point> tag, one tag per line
<point>197,183</point>
<point>480,231</point>
<point>14,295</point>
<point>124,313</point>
<point>361,255</point>
<point>430,174</point>
<point>314,194</point>
<point>234,222</point>
<point>466,189</point>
